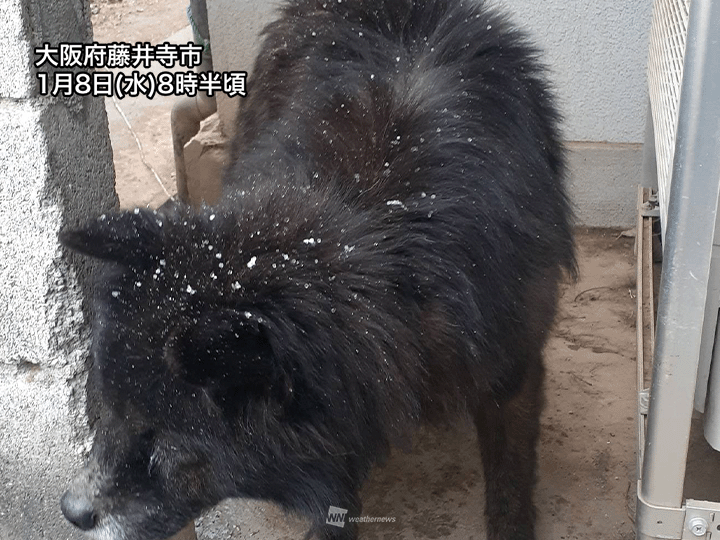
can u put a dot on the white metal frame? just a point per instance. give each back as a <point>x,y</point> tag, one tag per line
<point>687,312</point>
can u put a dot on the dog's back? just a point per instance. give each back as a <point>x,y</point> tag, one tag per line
<point>434,122</point>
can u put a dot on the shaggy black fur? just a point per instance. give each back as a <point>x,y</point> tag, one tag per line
<point>387,251</point>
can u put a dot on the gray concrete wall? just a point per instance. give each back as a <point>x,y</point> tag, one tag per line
<point>234,29</point>
<point>597,52</point>
<point>55,168</point>
<point>603,180</point>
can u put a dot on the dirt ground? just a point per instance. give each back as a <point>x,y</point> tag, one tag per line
<point>586,451</point>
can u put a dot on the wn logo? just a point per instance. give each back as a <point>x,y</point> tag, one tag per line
<point>336,516</point>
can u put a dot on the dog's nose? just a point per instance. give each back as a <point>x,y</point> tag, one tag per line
<point>78,510</point>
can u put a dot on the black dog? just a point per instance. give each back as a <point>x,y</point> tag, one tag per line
<point>387,251</point>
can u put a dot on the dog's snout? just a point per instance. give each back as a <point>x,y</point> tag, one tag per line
<point>78,510</point>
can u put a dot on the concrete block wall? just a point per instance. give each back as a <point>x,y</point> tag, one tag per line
<point>55,169</point>
<point>597,54</point>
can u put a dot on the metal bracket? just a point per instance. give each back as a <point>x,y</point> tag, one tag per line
<point>696,520</point>
<point>650,208</point>
<point>702,520</point>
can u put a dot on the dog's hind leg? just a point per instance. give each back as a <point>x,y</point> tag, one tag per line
<point>508,431</point>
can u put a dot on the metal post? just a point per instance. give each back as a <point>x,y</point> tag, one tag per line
<point>689,236</point>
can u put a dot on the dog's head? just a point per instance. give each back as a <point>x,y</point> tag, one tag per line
<point>232,356</point>
<point>185,376</point>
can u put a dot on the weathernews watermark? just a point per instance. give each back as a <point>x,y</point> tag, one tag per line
<point>337,517</point>
<point>83,69</point>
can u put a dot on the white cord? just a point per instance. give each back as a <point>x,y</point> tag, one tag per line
<point>142,153</point>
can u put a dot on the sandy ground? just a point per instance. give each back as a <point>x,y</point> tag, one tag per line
<point>587,458</point>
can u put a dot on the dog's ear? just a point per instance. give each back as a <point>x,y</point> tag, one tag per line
<point>223,349</point>
<point>132,238</point>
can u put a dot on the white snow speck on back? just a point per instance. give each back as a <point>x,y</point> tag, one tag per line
<point>235,286</point>
<point>309,241</point>
<point>395,202</point>
<point>252,262</point>
<point>190,290</point>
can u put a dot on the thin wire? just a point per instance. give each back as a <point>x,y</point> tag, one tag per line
<point>139,145</point>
